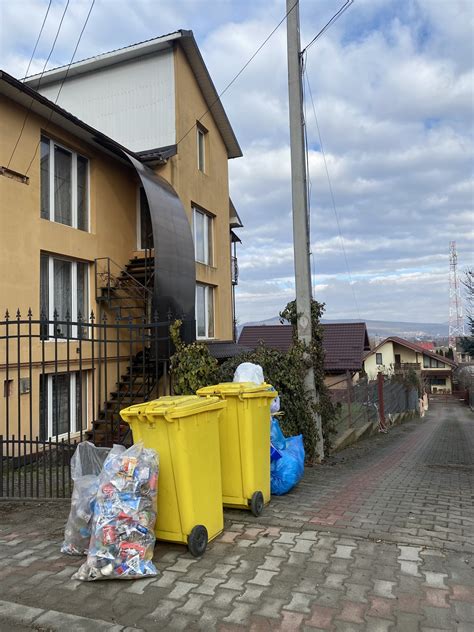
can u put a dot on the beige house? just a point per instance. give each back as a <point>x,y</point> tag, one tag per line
<point>396,354</point>
<point>115,203</point>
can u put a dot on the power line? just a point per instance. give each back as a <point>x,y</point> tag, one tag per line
<point>63,80</point>
<point>334,18</point>
<point>39,82</point>
<point>38,39</point>
<point>332,196</point>
<point>240,72</point>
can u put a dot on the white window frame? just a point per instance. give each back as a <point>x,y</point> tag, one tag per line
<point>201,144</point>
<point>74,429</point>
<point>208,229</point>
<point>52,206</point>
<point>207,288</point>
<point>51,306</point>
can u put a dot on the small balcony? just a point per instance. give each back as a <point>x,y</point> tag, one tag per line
<point>234,271</point>
<point>401,367</point>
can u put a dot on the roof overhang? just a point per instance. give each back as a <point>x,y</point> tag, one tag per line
<point>183,38</point>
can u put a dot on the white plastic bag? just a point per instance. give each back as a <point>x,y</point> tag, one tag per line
<point>249,372</point>
<point>86,465</point>
<point>123,537</point>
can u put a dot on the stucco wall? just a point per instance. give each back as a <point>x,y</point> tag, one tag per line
<point>209,190</point>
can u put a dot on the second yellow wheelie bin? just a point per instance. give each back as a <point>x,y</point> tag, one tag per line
<point>244,442</point>
<point>184,430</point>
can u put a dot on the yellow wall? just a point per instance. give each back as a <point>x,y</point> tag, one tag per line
<point>209,190</point>
<point>24,234</point>
<point>388,360</point>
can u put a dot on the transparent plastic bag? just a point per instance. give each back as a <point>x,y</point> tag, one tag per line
<point>86,465</point>
<point>123,537</point>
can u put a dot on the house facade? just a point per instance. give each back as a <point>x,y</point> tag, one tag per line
<point>396,354</point>
<point>134,235</point>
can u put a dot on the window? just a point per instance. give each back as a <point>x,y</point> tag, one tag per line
<point>378,358</point>
<point>64,289</point>
<point>64,176</point>
<point>63,404</point>
<point>204,311</point>
<point>438,381</point>
<point>398,358</point>
<point>432,363</point>
<point>201,148</point>
<point>202,228</point>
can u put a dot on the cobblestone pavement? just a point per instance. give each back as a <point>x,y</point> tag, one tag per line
<point>380,538</point>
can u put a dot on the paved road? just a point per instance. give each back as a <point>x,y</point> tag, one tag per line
<point>381,538</point>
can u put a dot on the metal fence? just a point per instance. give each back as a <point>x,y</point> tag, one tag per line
<point>361,403</point>
<point>65,381</point>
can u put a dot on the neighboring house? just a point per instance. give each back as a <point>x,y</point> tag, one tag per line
<point>127,216</point>
<point>396,354</point>
<point>344,344</point>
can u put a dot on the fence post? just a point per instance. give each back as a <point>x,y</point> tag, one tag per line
<point>349,399</point>
<point>380,389</point>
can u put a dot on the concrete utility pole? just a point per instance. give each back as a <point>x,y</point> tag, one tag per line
<point>301,237</point>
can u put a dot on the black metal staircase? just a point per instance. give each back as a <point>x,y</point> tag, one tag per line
<point>127,293</point>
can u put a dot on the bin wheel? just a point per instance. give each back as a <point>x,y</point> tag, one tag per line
<point>197,540</point>
<point>256,503</point>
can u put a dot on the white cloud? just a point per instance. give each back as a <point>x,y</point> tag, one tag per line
<point>392,84</point>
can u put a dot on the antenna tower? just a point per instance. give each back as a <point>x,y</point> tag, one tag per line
<point>456,320</point>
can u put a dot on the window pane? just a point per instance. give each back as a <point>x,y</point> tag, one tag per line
<point>81,408</point>
<point>44,285</point>
<point>210,312</point>
<point>61,404</point>
<point>62,293</point>
<point>200,139</point>
<point>44,183</point>
<point>199,228</point>
<point>82,208</point>
<point>200,311</point>
<point>209,240</point>
<point>82,296</point>
<point>426,362</point>
<point>62,186</point>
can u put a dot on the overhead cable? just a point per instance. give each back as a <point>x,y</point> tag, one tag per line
<point>39,81</point>
<point>240,71</point>
<point>331,192</point>
<point>62,82</point>
<point>334,18</point>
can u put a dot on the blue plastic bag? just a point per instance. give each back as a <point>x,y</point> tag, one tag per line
<point>277,438</point>
<point>287,470</point>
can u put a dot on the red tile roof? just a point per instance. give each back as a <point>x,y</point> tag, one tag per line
<point>414,347</point>
<point>344,344</point>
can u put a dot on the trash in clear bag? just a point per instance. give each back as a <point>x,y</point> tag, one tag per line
<point>86,465</point>
<point>123,537</point>
<point>249,372</point>
<point>286,470</point>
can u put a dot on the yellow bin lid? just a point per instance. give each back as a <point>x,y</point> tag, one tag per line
<point>238,389</point>
<point>172,407</point>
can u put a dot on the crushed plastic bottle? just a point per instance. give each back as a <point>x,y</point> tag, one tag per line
<point>123,538</point>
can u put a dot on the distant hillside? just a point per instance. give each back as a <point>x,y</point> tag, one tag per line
<point>382,328</point>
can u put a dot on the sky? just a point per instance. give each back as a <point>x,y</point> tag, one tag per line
<point>392,87</point>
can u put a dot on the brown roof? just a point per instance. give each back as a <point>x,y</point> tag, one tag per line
<point>344,343</point>
<point>414,347</point>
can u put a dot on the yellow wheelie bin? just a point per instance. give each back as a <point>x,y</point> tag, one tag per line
<point>184,430</point>
<point>244,443</point>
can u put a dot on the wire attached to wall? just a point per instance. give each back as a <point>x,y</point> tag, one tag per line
<point>41,75</point>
